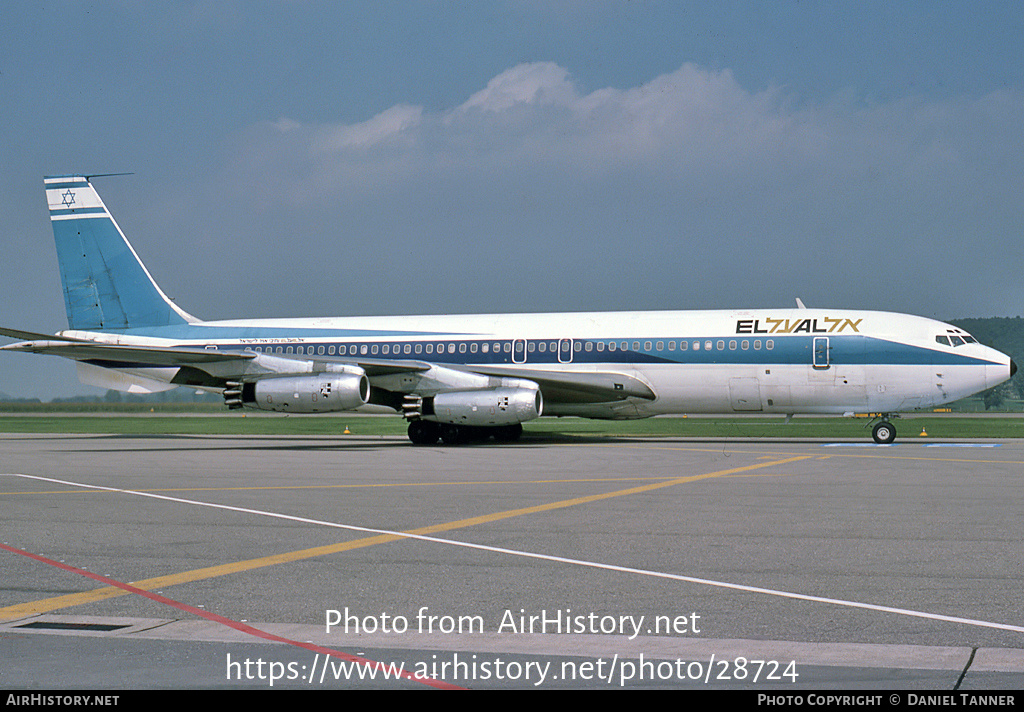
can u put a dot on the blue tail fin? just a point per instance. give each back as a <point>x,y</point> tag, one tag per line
<point>106,286</point>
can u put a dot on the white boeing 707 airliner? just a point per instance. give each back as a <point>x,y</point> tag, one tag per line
<point>461,377</point>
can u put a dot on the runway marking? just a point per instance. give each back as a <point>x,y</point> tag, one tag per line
<point>383,535</point>
<point>982,445</point>
<point>834,453</point>
<point>236,625</point>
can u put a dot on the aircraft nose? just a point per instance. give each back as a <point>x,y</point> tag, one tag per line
<point>1013,367</point>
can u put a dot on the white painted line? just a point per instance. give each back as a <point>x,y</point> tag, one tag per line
<point>548,557</point>
<point>857,445</point>
<point>963,445</point>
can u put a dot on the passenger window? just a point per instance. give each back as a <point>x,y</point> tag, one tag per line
<point>542,347</point>
<point>732,345</point>
<point>769,344</point>
<point>721,345</point>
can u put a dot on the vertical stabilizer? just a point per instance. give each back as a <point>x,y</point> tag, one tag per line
<point>106,286</point>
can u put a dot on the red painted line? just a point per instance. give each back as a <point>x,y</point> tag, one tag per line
<point>236,625</point>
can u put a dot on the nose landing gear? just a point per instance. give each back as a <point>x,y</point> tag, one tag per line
<point>884,432</point>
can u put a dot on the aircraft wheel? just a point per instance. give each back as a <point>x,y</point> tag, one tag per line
<point>423,432</point>
<point>884,433</point>
<point>452,434</point>
<point>508,433</point>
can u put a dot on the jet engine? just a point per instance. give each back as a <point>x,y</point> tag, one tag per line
<point>315,393</point>
<point>488,406</point>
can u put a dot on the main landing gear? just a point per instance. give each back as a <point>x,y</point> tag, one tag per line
<point>428,432</point>
<point>884,432</point>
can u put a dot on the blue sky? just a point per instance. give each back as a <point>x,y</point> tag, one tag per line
<point>315,159</point>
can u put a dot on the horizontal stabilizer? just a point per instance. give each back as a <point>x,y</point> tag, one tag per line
<point>148,355</point>
<point>33,336</point>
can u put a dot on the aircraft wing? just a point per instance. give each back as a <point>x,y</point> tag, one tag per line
<point>213,368</point>
<point>118,355</point>
<point>576,386</point>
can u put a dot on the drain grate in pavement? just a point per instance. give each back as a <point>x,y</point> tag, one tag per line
<point>58,625</point>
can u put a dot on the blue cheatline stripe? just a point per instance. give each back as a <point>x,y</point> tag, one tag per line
<point>790,350</point>
<point>83,212</point>
<point>202,332</point>
<point>68,184</point>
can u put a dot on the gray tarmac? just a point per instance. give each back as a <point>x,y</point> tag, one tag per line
<point>217,562</point>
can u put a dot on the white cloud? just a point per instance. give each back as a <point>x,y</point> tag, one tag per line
<point>534,83</point>
<point>689,171</point>
<point>387,125</point>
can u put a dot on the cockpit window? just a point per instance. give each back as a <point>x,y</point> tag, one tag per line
<point>955,337</point>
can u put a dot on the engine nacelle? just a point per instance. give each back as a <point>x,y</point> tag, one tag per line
<point>315,393</point>
<point>488,406</point>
